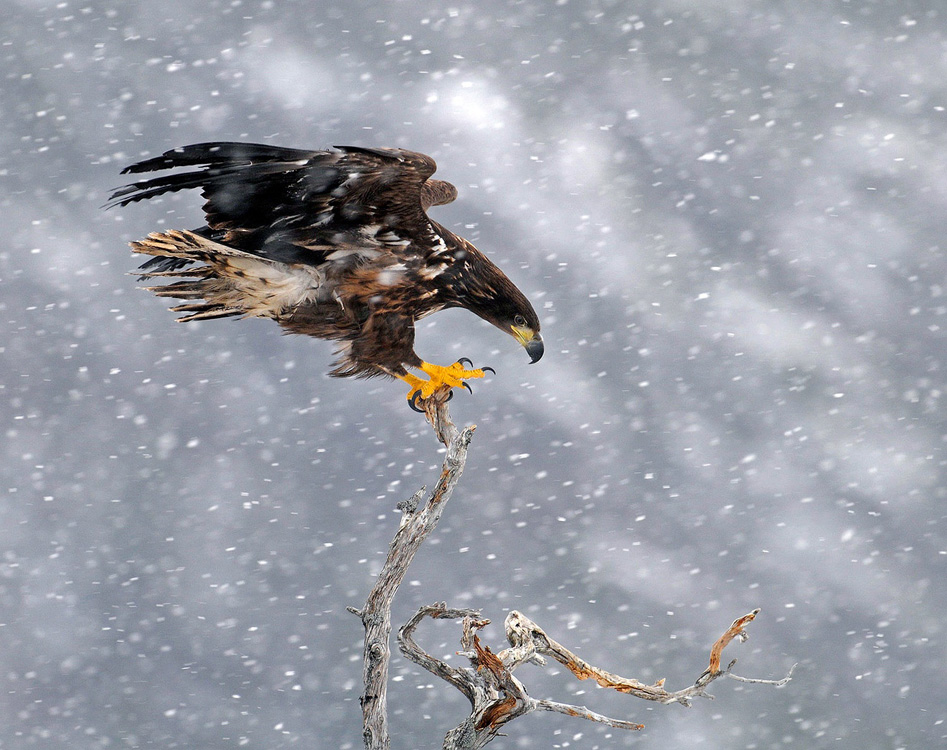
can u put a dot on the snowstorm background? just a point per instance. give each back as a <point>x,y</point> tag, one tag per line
<point>729,216</point>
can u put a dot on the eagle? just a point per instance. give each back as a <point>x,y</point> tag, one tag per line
<point>335,244</point>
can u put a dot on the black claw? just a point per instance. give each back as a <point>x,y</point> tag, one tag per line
<point>450,395</point>
<point>464,359</point>
<point>467,386</point>
<point>489,369</point>
<point>413,402</point>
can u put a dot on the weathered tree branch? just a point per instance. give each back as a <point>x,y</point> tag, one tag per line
<point>416,523</point>
<point>496,696</point>
<point>528,639</point>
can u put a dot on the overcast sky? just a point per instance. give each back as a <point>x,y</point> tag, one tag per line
<point>729,216</point>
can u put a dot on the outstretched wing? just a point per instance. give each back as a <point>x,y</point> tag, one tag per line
<point>294,205</point>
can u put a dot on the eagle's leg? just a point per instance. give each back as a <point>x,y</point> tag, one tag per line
<point>452,376</point>
<point>417,384</point>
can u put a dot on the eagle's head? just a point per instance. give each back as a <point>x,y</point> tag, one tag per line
<point>510,311</point>
<point>476,284</point>
<point>526,331</point>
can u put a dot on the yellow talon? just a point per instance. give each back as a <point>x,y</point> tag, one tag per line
<point>452,376</point>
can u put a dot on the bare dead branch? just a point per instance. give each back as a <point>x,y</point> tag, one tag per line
<point>582,712</point>
<point>456,677</point>
<point>497,697</point>
<point>734,631</point>
<point>416,523</point>
<point>757,681</point>
<point>520,631</point>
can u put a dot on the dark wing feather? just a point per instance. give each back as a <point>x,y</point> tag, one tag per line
<point>287,204</point>
<point>200,154</point>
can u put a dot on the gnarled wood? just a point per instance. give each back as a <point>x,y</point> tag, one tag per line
<point>417,521</point>
<point>496,696</point>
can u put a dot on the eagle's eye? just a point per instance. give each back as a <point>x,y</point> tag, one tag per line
<point>519,321</point>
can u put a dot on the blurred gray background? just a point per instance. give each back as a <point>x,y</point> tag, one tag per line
<point>730,218</point>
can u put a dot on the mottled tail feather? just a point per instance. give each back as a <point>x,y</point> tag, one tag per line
<point>179,243</point>
<point>226,281</point>
<point>179,289</point>
<point>205,311</point>
<point>188,247</point>
<point>202,271</point>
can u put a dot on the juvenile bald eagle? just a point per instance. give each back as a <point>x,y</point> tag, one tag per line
<point>332,244</point>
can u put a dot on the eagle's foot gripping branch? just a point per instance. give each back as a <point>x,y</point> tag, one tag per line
<point>453,376</point>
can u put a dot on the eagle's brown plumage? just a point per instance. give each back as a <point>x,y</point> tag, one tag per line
<point>332,244</point>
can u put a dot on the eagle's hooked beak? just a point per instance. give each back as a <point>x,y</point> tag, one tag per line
<point>531,341</point>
